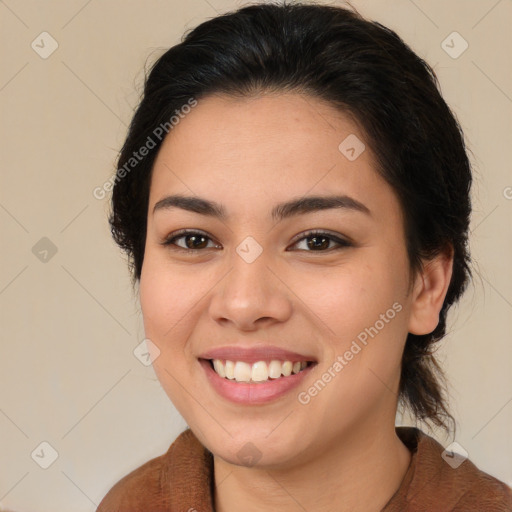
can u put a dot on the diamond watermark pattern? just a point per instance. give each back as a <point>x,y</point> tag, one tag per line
<point>44,455</point>
<point>146,352</point>
<point>44,45</point>
<point>454,45</point>
<point>454,455</point>
<point>249,249</point>
<point>249,455</point>
<point>44,250</point>
<point>351,147</point>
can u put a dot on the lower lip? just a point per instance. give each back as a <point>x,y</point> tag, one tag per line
<point>253,393</point>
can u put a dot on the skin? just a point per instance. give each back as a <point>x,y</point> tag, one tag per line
<point>248,155</point>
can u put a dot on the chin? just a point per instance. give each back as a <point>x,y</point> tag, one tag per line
<point>247,450</point>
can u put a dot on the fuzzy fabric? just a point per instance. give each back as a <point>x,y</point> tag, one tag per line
<point>181,480</point>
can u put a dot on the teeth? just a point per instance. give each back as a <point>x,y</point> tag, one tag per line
<point>274,369</point>
<point>229,369</point>
<point>242,371</point>
<point>219,367</point>
<point>260,371</point>
<point>287,368</point>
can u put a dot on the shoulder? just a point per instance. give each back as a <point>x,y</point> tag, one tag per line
<point>485,492</point>
<point>478,490</point>
<point>146,487</point>
<point>442,477</point>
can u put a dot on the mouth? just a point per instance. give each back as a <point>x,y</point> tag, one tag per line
<point>257,374</point>
<point>259,371</point>
<point>255,383</point>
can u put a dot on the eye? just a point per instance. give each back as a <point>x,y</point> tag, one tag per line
<point>315,241</point>
<point>320,241</point>
<point>192,240</point>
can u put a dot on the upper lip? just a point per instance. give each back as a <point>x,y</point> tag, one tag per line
<point>254,354</point>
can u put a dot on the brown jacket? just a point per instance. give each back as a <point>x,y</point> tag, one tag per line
<point>182,481</point>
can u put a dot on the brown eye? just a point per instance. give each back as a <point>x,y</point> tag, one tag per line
<point>188,241</point>
<point>195,241</point>
<point>319,241</point>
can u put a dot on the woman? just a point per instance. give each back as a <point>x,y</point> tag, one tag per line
<point>293,194</point>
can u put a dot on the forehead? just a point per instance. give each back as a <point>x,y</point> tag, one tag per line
<point>266,149</point>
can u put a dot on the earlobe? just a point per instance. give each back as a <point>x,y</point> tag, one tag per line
<point>430,288</point>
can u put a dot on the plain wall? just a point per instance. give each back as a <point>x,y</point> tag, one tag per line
<point>70,323</point>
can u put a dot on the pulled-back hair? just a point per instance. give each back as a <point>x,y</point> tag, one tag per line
<point>366,71</point>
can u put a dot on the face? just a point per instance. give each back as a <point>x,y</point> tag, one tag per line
<point>321,283</point>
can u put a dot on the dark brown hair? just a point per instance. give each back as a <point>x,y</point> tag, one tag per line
<point>365,70</point>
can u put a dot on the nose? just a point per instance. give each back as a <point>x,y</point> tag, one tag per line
<point>250,296</point>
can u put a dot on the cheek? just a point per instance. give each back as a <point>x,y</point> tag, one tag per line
<point>167,300</point>
<point>365,311</point>
<point>347,299</point>
<point>167,305</point>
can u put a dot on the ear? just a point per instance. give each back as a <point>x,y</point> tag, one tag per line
<point>430,288</point>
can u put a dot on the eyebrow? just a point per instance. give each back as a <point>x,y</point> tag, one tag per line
<point>303,205</point>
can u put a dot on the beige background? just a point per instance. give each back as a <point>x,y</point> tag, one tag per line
<point>69,325</point>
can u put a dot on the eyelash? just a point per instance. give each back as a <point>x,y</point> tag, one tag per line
<point>342,243</point>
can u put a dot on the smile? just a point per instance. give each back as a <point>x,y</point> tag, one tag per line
<point>260,371</point>
<point>255,383</point>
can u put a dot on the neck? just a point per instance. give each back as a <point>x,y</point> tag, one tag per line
<point>360,472</point>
